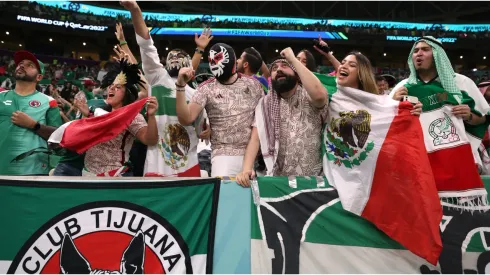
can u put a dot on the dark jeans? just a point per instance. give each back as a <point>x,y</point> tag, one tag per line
<point>67,170</point>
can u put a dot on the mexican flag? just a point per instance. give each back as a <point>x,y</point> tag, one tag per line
<point>131,227</point>
<point>80,135</point>
<point>329,82</point>
<point>176,152</point>
<point>451,144</point>
<point>300,226</point>
<point>374,155</point>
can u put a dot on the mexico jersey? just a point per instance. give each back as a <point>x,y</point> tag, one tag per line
<point>15,140</point>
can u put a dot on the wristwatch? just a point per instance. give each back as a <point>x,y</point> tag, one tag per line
<point>37,126</point>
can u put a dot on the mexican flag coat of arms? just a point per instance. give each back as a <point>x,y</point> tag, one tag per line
<point>374,155</point>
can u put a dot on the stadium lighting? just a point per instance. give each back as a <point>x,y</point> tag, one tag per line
<point>384,54</point>
<point>85,44</point>
<point>7,33</point>
<point>483,57</point>
<point>460,57</point>
<point>166,48</point>
<point>51,40</point>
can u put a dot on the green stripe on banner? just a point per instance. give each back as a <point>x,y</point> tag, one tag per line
<point>330,223</point>
<point>313,233</point>
<point>106,216</point>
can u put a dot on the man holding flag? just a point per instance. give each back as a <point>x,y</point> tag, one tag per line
<point>453,120</point>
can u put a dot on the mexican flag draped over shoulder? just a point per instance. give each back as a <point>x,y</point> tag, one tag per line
<point>449,142</point>
<point>374,155</point>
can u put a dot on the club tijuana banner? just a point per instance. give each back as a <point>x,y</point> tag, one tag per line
<point>299,226</point>
<point>109,226</point>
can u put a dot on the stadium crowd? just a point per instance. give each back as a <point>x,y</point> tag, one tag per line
<point>250,118</point>
<point>42,11</point>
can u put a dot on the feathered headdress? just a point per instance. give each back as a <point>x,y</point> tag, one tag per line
<point>123,73</point>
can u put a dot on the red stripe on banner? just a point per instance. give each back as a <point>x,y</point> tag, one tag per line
<point>455,169</point>
<point>192,172</point>
<point>53,104</point>
<point>404,202</point>
<point>82,134</point>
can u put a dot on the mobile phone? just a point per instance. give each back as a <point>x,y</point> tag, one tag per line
<point>411,99</point>
<point>321,47</point>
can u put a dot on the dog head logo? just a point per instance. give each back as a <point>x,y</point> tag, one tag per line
<point>104,237</point>
<point>132,260</point>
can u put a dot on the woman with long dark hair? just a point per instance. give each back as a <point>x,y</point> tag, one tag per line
<point>111,158</point>
<point>307,59</point>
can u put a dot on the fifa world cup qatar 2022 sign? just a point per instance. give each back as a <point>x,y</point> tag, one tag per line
<point>60,23</point>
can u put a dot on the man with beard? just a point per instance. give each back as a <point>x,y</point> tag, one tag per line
<point>288,122</point>
<point>229,99</point>
<point>250,63</point>
<point>176,152</point>
<point>27,119</point>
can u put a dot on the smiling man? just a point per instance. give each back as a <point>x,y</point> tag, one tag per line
<point>27,119</point>
<point>288,122</point>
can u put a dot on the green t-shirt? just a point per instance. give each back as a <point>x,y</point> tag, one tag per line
<point>16,140</point>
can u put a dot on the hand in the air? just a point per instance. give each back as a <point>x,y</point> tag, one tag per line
<point>152,107</point>
<point>121,54</point>
<point>186,74</point>
<point>119,32</point>
<point>288,54</point>
<point>129,4</point>
<point>203,40</point>
<point>322,43</point>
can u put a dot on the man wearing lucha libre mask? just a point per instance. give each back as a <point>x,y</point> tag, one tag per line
<point>181,139</point>
<point>229,100</point>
